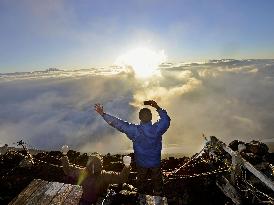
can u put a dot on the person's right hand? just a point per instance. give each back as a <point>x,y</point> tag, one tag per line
<point>152,103</point>
<point>99,108</point>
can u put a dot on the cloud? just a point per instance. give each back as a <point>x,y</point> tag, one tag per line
<point>163,94</point>
<point>48,112</point>
<point>231,99</point>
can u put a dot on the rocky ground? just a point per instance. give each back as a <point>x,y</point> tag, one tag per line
<point>193,184</point>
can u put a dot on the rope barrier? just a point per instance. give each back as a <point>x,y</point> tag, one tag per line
<point>256,190</point>
<point>221,170</point>
<point>184,165</point>
<point>248,187</point>
<point>245,187</point>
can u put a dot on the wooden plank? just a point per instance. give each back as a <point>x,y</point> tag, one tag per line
<point>44,193</point>
<point>229,190</point>
<point>74,196</point>
<point>36,196</point>
<point>251,168</point>
<point>237,162</point>
<point>13,200</point>
<point>259,175</point>
<point>228,150</point>
<point>50,193</point>
<point>27,192</point>
<point>61,195</point>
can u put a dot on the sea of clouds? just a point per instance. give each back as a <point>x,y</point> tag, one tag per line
<point>230,99</point>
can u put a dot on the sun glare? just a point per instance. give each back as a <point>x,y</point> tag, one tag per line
<point>144,61</point>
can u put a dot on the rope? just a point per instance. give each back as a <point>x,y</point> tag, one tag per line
<point>109,194</point>
<point>221,170</point>
<point>255,190</point>
<point>246,187</point>
<point>184,165</point>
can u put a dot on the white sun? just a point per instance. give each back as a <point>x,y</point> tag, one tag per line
<point>144,61</point>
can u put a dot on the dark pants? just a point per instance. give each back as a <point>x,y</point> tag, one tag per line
<point>143,175</point>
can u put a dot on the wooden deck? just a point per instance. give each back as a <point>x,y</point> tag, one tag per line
<point>40,192</point>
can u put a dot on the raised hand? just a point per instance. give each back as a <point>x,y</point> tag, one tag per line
<point>99,108</point>
<point>151,103</point>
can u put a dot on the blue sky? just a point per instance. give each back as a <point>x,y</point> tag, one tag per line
<point>38,34</point>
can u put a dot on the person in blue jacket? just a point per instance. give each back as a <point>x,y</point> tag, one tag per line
<point>147,143</point>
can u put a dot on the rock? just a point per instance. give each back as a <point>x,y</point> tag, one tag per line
<point>257,148</point>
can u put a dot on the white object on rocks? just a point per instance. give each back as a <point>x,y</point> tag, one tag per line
<point>241,147</point>
<point>65,149</point>
<point>127,160</point>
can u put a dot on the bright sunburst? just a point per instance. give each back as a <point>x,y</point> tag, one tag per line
<point>144,61</point>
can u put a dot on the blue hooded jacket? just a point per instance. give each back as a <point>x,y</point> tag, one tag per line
<point>146,137</point>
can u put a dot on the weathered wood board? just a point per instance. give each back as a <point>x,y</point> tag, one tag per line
<point>40,192</point>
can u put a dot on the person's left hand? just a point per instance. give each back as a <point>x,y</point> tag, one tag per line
<point>99,108</point>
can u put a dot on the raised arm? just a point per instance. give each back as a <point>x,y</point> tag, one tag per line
<point>163,123</point>
<point>129,129</point>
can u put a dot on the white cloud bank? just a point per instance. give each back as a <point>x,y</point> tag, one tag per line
<point>231,99</point>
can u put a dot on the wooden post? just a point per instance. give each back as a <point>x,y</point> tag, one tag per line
<point>250,167</point>
<point>236,167</point>
<point>259,175</point>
